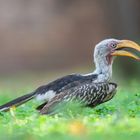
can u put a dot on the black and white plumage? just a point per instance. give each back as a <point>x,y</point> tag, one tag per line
<point>91,89</point>
<point>86,94</point>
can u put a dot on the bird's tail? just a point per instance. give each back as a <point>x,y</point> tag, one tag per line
<point>18,101</point>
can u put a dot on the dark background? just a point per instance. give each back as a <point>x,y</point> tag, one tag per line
<point>59,35</point>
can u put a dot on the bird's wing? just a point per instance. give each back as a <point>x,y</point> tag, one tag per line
<point>47,92</point>
<point>62,84</point>
<point>89,94</point>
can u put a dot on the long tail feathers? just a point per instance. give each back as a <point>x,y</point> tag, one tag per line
<point>17,102</point>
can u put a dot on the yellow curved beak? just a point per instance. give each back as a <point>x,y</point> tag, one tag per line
<point>126,44</point>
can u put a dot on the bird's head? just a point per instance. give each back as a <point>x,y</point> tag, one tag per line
<point>104,53</point>
<point>108,48</point>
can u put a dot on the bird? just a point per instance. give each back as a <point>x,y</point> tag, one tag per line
<point>89,89</point>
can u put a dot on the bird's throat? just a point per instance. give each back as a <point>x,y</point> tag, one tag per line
<point>109,59</point>
<point>104,69</point>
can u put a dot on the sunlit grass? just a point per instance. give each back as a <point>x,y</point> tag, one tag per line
<point>116,119</point>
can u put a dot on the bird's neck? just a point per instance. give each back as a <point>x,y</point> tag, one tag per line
<point>103,70</point>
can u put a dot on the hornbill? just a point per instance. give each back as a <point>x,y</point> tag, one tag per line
<point>90,89</point>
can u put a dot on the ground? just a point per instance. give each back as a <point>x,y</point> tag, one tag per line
<point>116,119</point>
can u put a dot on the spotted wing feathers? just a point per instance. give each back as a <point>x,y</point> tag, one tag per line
<point>91,95</point>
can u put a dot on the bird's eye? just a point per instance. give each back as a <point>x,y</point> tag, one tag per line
<point>113,45</point>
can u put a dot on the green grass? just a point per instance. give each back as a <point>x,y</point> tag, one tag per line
<point>116,119</point>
